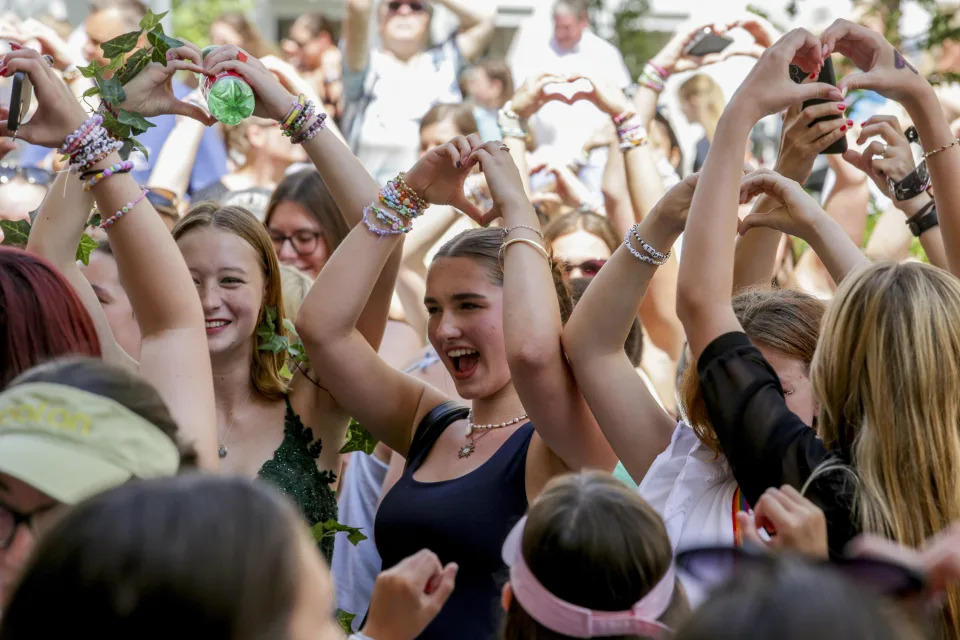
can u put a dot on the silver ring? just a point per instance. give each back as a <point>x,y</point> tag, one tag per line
<point>504,147</point>
<point>48,58</point>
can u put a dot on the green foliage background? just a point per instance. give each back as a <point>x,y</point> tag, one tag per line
<point>192,18</point>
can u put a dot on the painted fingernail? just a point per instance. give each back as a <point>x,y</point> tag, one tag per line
<point>169,55</point>
<point>4,72</point>
<point>15,47</point>
<point>458,164</point>
<point>843,128</point>
<point>813,76</point>
<point>842,107</point>
<point>849,123</point>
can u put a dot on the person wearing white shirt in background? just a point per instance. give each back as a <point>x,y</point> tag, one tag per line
<point>560,130</point>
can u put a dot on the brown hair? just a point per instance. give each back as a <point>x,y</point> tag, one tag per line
<point>784,320</point>
<point>461,115</point>
<point>217,556</point>
<point>253,40</point>
<point>499,71</point>
<point>593,542</point>
<point>116,383</point>
<point>307,189</point>
<point>588,221</point>
<point>483,245</point>
<point>265,365</point>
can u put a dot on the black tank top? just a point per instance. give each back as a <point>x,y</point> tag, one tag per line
<point>464,520</point>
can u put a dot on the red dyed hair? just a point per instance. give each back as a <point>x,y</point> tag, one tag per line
<point>41,316</point>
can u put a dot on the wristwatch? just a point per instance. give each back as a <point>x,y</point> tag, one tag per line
<point>911,186</point>
<point>923,220</point>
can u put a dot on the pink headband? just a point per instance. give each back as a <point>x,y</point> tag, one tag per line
<point>579,622</point>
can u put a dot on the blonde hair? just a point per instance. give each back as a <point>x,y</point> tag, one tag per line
<point>265,365</point>
<point>710,105</point>
<point>296,284</point>
<point>784,320</point>
<point>887,374</point>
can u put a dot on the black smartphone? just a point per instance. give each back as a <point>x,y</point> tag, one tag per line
<point>828,76</point>
<point>706,42</point>
<point>20,96</point>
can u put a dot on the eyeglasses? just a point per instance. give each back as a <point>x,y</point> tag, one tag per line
<point>303,241</point>
<point>11,520</point>
<point>32,175</point>
<point>162,198</point>
<point>588,268</point>
<point>713,566</point>
<point>395,5</point>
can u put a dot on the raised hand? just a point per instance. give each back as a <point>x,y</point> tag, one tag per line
<point>672,58</point>
<point>539,90</point>
<point>792,522</point>
<point>33,31</point>
<point>503,177</point>
<point>800,142</point>
<point>796,216</point>
<point>882,160</point>
<point>439,175</point>
<point>674,206</point>
<point>58,113</point>
<point>407,597</point>
<point>609,99</point>
<point>768,87</point>
<point>882,68</point>
<point>273,101</point>
<point>150,92</point>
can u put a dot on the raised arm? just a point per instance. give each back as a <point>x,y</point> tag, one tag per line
<point>756,252</point>
<point>892,161</point>
<point>356,34</point>
<point>477,21</point>
<point>706,272</point>
<point>174,356</point>
<point>532,325</point>
<point>886,71</point>
<point>631,420</point>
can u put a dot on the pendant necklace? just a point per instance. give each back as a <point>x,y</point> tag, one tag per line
<point>223,451</point>
<point>476,431</point>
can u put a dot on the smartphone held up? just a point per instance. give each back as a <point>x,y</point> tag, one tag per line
<point>21,93</point>
<point>827,76</point>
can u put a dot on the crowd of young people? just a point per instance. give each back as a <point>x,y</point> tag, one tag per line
<point>579,436</point>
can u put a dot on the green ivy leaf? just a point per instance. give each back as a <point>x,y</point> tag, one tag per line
<point>331,527</point>
<point>358,439</point>
<point>121,45</point>
<point>289,326</point>
<point>134,65</point>
<point>151,20</point>
<point>15,232</point>
<point>112,91</point>
<point>345,621</point>
<point>86,246</point>
<point>137,123</point>
<point>116,64</point>
<point>162,43</point>
<point>274,344</point>
<point>92,70</point>
<point>285,372</point>
<point>95,220</point>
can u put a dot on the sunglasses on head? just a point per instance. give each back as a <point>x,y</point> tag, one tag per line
<point>163,198</point>
<point>394,5</point>
<point>588,268</point>
<point>714,566</point>
<point>31,175</point>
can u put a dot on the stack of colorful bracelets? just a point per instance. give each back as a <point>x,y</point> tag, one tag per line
<point>630,131</point>
<point>653,77</point>
<point>89,144</point>
<point>399,197</point>
<point>294,124</point>
<point>654,258</point>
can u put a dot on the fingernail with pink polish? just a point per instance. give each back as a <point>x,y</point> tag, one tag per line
<point>842,107</point>
<point>15,47</point>
<point>849,123</point>
<point>3,71</point>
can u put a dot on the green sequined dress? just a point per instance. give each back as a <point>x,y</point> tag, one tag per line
<point>293,470</point>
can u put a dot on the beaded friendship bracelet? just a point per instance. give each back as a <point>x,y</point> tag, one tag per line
<point>420,202</point>
<point>99,154</point>
<point>76,139</point>
<point>294,112</point>
<point>658,259</point>
<point>124,210</point>
<point>646,247</point>
<point>316,127</point>
<point>92,180</point>
<point>380,232</point>
<point>302,119</point>
<point>393,223</point>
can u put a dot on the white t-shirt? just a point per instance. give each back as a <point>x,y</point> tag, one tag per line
<point>561,129</point>
<point>400,94</point>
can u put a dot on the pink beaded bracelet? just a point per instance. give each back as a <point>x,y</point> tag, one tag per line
<point>74,140</point>
<point>125,209</point>
<point>315,128</point>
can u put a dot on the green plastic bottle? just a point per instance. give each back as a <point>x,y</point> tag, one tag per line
<point>229,98</point>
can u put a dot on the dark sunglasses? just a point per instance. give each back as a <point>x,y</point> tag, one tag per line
<point>588,268</point>
<point>32,175</point>
<point>714,566</point>
<point>163,198</point>
<point>416,7</point>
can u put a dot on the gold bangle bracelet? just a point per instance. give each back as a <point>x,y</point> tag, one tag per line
<point>533,243</point>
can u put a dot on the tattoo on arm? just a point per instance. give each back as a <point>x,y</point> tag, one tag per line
<point>900,62</point>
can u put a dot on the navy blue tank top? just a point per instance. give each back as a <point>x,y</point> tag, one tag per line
<point>463,520</point>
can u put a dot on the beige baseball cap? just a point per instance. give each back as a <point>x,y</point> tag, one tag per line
<point>71,444</point>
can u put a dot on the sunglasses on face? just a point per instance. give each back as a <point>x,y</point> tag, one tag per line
<point>714,566</point>
<point>415,6</point>
<point>303,241</point>
<point>32,175</point>
<point>588,268</point>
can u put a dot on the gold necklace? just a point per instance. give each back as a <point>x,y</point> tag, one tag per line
<point>467,450</point>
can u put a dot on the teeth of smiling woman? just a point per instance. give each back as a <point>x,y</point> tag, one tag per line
<point>215,324</point>
<point>456,353</point>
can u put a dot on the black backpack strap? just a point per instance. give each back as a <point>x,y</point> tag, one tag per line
<point>431,428</point>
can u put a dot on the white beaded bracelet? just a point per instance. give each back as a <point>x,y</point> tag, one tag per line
<point>646,247</point>
<point>639,256</point>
